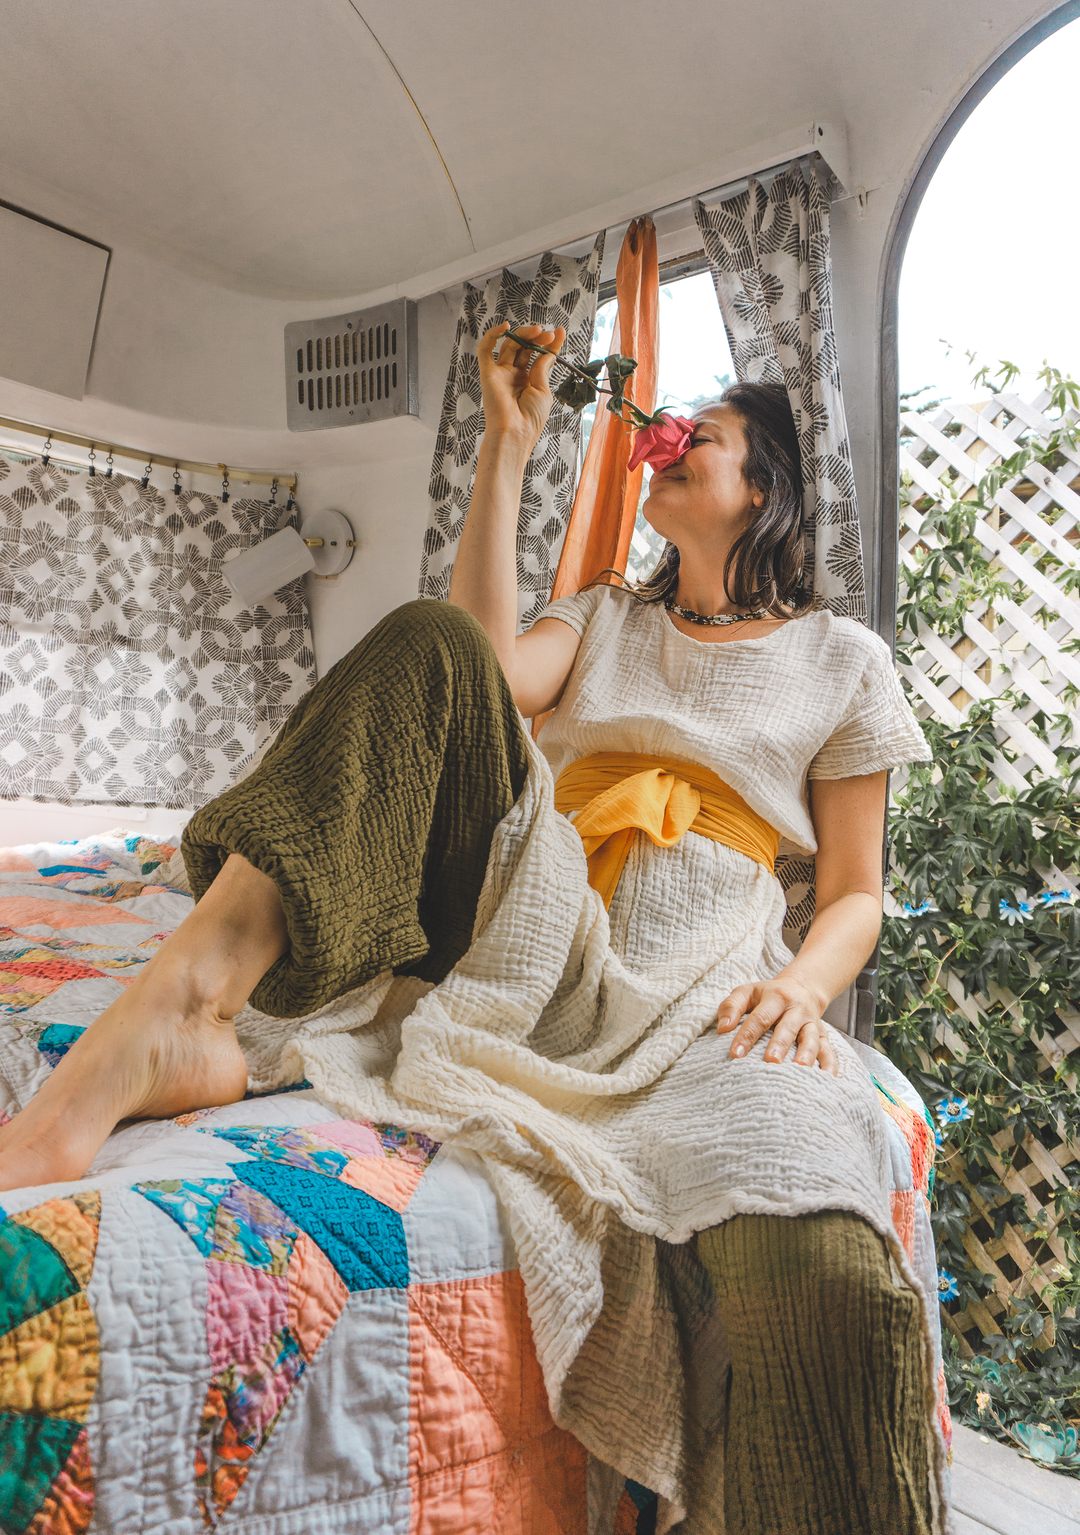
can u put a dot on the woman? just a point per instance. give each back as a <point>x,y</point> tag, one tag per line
<point>606,1091</point>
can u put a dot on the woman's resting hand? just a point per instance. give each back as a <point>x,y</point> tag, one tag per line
<point>790,1010</point>
<point>848,815</point>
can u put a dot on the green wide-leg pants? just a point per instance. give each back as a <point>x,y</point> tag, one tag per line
<point>373,810</point>
<point>826,1425</point>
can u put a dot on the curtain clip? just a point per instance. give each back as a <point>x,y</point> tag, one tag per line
<point>46,450</point>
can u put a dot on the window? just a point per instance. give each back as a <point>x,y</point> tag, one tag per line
<point>695,366</point>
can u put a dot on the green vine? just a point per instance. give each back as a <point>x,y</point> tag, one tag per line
<point>982,957</point>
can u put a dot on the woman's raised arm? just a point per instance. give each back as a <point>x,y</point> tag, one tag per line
<point>517,401</point>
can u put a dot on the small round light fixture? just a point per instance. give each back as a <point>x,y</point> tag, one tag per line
<point>329,537</point>
<point>323,547</point>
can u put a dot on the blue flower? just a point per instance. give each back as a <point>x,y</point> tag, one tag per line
<point>948,1289</point>
<point>1014,914</point>
<point>950,1111</point>
<point>918,911</point>
<point>1056,898</point>
<point>939,1139</point>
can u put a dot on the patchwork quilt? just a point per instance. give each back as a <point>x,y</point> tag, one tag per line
<point>266,1318</point>
<point>260,1318</point>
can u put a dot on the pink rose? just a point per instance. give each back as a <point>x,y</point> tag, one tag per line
<point>663,443</point>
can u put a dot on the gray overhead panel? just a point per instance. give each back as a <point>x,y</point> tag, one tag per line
<point>50,290</point>
<point>351,368</point>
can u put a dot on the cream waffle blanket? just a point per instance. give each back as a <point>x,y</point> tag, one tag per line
<point>574,1050</point>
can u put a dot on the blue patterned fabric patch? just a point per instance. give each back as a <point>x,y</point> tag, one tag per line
<point>364,1240</point>
<point>276,1092</point>
<point>409,1145</point>
<point>192,1204</point>
<point>57,1040</point>
<point>252,1229</point>
<point>294,1146</point>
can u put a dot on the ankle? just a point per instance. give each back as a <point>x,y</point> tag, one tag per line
<point>190,983</point>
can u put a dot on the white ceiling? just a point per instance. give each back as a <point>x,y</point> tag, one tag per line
<point>274,145</point>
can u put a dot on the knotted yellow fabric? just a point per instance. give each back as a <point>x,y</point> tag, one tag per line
<point>619,793</point>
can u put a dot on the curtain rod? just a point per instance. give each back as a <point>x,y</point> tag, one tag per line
<point>670,271</point>
<point>257,476</point>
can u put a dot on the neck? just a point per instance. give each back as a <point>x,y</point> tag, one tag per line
<point>702,590</point>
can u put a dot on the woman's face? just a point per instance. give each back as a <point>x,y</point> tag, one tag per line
<point>703,497</point>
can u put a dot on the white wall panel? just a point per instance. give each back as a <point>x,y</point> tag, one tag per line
<point>50,289</point>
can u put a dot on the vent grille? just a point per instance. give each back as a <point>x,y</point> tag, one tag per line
<point>351,368</point>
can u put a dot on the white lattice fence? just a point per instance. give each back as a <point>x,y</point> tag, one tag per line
<point>1018,646</point>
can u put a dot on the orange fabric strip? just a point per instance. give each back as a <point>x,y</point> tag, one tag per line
<point>617,794</point>
<point>601,523</point>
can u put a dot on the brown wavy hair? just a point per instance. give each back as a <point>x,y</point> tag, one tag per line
<point>764,567</point>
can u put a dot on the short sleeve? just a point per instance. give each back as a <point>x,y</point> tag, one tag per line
<point>577,610</point>
<point>878,730</point>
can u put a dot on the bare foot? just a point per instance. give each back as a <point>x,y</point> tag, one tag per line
<point>151,1055</point>
<point>166,1046</point>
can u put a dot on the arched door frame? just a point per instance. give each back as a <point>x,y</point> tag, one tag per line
<point>885,595</point>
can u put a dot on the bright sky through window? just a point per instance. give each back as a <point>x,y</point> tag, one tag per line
<point>694,358</point>
<point>991,264</point>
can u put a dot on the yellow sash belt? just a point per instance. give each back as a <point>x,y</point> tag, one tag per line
<point>619,793</point>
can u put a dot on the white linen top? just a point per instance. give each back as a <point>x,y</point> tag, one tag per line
<point>817,698</point>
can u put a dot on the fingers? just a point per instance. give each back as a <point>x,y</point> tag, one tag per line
<point>540,372</point>
<point>754,1009</point>
<point>733,1007</point>
<point>826,1058</point>
<point>794,1029</point>
<point>490,339</point>
<point>811,1041</point>
<point>767,1011</point>
<point>513,355</point>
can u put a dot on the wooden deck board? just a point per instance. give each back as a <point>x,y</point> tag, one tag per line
<point>962,1525</point>
<point>997,1492</point>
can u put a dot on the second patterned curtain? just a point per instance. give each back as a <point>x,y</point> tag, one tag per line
<point>563,292</point>
<point>769,255</point>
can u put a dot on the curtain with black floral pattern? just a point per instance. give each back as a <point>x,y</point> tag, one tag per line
<point>769,255</point>
<point>563,292</point>
<point>129,672</point>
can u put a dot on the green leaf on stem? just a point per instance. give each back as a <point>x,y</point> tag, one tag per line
<point>576,393</point>
<point>619,369</point>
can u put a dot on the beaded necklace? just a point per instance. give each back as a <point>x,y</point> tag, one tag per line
<point>715,619</point>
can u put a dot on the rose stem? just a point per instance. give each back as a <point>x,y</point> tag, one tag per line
<point>524,343</point>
